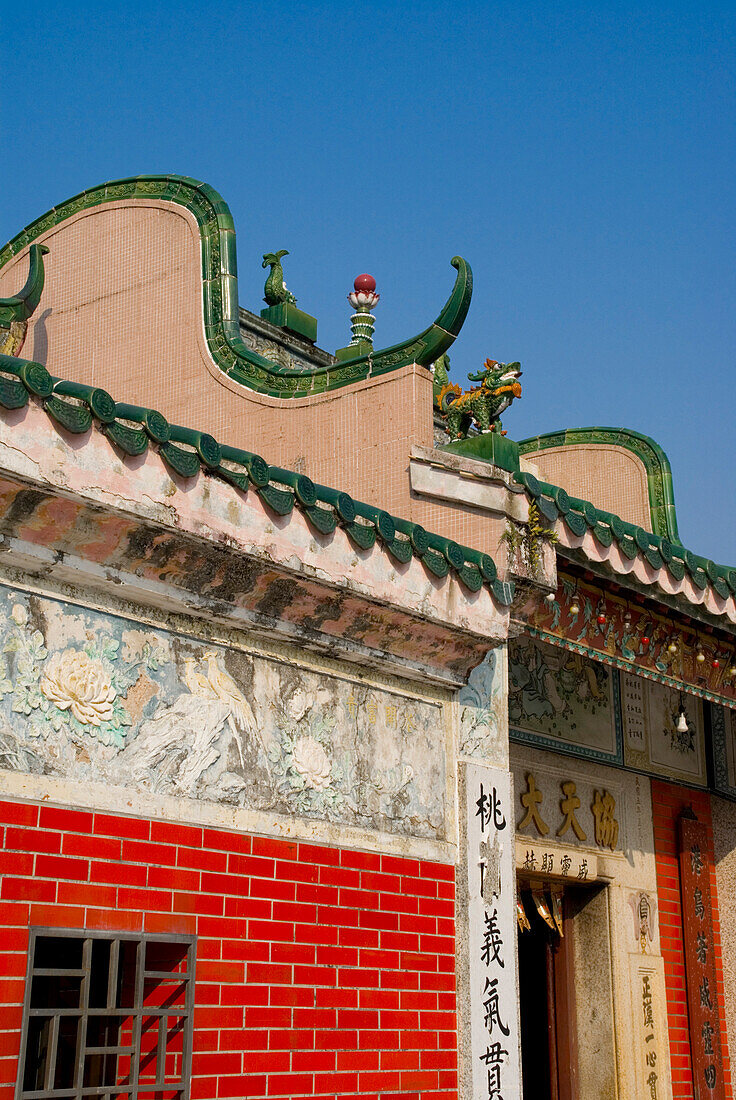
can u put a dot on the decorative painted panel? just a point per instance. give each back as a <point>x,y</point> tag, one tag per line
<point>563,701</point>
<point>483,710</point>
<point>90,696</point>
<point>652,740</point>
<point>589,620</point>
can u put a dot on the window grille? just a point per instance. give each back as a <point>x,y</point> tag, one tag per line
<point>107,1016</point>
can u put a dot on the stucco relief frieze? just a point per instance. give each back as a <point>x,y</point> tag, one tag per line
<point>90,696</point>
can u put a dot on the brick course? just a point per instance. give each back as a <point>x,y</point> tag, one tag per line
<point>668,801</point>
<point>321,972</point>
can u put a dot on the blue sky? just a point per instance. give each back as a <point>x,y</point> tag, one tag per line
<point>581,157</point>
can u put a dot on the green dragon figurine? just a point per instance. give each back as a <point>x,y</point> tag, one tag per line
<point>482,405</point>
<point>275,292</point>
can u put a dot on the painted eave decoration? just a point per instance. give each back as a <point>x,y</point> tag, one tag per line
<point>647,559</point>
<point>220,293</point>
<point>83,414</point>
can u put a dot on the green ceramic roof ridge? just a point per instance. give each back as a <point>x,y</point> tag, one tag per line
<point>656,464</point>
<point>185,451</point>
<point>220,292</point>
<point>579,515</point>
<point>20,306</point>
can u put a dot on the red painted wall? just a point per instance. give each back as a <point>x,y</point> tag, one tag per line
<point>321,972</point>
<point>668,801</point>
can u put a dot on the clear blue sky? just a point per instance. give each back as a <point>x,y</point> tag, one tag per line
<point>581,157</point>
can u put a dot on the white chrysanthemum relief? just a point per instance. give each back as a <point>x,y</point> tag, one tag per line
<point>74,681</point>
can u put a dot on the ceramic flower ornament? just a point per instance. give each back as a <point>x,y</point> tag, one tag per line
<point>312,763</point>
<point>73,681</point>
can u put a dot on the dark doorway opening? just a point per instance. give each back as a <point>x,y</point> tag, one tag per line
<point>546,995</point>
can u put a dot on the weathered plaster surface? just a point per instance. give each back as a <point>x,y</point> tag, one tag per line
<point>129,521</point>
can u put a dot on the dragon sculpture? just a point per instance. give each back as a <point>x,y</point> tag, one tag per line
<point>15,311</point>
<point>481,405</point>
<point>275,291</point>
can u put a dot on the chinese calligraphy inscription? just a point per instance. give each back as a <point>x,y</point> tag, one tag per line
<point>496,1071</point>
<point>700,968</point>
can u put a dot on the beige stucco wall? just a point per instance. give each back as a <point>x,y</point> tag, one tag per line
<point>612,477</point>
<point>122,309</point>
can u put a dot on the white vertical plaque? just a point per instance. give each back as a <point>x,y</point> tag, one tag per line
<point>494,1014</point>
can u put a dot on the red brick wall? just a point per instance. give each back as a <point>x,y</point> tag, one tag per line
<point>668,801</point>
<point>321,972</point>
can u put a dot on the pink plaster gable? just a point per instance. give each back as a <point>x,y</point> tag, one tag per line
<point>206,536</point>
<point>122,309</point>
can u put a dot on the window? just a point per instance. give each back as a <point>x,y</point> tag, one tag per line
<point>107,1016</point>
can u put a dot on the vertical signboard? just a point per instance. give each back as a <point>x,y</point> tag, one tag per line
<point>495,1051</point>
<point>700,964</point>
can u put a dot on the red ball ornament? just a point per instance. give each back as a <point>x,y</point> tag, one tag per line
<point>716,664</point>
<point>601,620</point>
<point>645,641</point>
<point>365,283</point>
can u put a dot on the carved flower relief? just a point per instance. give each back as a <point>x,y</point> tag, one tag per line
<point>312,763</point>
<point>74,681</point>
<point>19,614</point>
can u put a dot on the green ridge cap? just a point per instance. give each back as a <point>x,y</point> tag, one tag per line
<point>220,293</point>
<point>186,452</point>
<point>633,541</point>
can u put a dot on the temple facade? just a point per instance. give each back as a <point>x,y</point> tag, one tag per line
<point>334,762</point>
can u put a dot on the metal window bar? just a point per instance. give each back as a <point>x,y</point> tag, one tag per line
<point>126,971</point>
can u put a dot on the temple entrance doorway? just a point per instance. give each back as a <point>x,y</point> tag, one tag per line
<point>546,994</point>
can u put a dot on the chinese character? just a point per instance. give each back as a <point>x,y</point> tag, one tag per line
<point>492,942</point>
<point>494,1083</point>
<point>530,800</point>
<point>569,804</point>
<point>701,947</point>
<point>705,994</point>
<point>696,859</point>
<point>646,1001</point>
<point>583,872</point>
<point>371,707</point>
<point>410,727</point>
<point>352,705</point>
<point>494,1054</point>
<point>606,826</point>
<point>565,863</point>
<point>707,1033</point>
<point>489,809</point>
<point>390,714</point>
<point>530,863</point>
<point>710,1076</point>
<point>492,1011</point>
<point>652,1082</point>
<point>652,1058</point>
<point>699,907</point>
<point>548,861</point>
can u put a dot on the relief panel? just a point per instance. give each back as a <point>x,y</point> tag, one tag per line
<point>91,696</point>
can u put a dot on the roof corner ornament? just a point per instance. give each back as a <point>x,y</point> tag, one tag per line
<point>480,406</point>
<point>275,292</point>
<point>15,311</point>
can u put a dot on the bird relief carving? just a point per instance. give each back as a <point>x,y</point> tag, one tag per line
<point>210,724</point>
